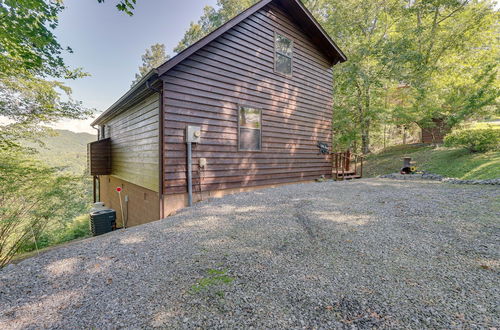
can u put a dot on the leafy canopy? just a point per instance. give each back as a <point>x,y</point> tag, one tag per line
<point>211,19</point>
<point>152,58</point>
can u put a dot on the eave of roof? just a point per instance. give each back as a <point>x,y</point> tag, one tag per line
<point>141,85</point>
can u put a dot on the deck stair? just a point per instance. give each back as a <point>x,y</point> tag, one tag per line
<point>346,166</point>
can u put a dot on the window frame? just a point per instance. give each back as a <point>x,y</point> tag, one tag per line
<point>240,107</point>
<point>276,33</point>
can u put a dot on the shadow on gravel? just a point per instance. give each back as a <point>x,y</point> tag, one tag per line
<point>330,255</point>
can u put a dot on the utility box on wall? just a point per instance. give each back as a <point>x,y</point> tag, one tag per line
<point>193,134</point>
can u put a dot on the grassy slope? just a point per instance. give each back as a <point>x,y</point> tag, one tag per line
<point>455,163</point>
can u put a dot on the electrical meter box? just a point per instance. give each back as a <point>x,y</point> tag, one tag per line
<point>193,134</point>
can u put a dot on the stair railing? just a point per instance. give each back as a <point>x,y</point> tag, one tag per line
<point>342,163</point>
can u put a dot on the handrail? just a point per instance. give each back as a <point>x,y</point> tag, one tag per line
<point>343,162</point>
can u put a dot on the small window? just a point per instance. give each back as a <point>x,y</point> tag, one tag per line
<point>283,49</point>
<point>249,129</point>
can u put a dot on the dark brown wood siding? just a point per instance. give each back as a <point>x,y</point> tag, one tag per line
<point>237,69</point>
<point>99,157</point>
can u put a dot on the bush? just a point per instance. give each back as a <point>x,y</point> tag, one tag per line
<point>58,233</point>
<point>474,140</point>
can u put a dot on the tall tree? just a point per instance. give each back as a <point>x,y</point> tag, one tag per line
<point>152,58</point>
<point>211,19</point>
<point>30,60</point>
<point>451,62</point>
<point>432,58</point>
<point>367,40</point>
<point>32,195</point>
<point>408,60</point>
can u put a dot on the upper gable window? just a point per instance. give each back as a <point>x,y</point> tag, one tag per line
<point>283,51</point>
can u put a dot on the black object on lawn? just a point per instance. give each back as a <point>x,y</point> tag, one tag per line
<point>408,166</point>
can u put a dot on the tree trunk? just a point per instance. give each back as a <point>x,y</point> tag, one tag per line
<point>365,139</point>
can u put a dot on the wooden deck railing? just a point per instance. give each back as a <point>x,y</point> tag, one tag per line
<point>346,165</point>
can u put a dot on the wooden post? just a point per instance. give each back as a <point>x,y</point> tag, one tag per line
<point>361,171</point>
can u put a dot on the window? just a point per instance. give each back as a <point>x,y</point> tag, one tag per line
<point>249,129</point>
<point>283,51</point>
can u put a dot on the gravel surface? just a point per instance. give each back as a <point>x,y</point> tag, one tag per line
<point>356,254</point>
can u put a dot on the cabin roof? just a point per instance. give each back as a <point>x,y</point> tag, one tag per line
<point>295,8</point>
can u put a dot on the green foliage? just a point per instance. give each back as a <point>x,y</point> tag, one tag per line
<point>59,233</point>
<point>152,58</point>
<point>453,163</point>
<point>30,52</point>
<point>34,196</point>
<point>215,277</point>
<point>410,62</point>
<point>474,140</point>
<point>127,6</point>
<point>211,20</point>
<point>29,103</point>
<point>65,150</point>
<point>27,42</point>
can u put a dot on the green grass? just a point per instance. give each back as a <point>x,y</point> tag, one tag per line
<point>214,277</point>
<point>449,162</point>
<point>74,229</point>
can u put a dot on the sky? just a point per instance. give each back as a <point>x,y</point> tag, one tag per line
<point>108,44</point>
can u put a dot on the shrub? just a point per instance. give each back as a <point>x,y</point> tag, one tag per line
<point>59,232</point>
<point>474,140</point>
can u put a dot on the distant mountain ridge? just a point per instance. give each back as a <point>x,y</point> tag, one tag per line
<point>68,141</point>
<point>67,150</point>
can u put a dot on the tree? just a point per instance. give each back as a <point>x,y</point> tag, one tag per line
<point>359,83</point>
<point>33,195</point>
<point>451,62</point>
<point>127,6</point>
<point>211,20</point>
<point>152,58</point>
<point>438,57</point>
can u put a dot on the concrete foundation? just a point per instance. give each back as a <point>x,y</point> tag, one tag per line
<point>143,205</point>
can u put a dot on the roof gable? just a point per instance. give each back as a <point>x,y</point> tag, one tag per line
<point>294,8</point>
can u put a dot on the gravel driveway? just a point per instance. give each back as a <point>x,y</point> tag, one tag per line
<point>363,254</point>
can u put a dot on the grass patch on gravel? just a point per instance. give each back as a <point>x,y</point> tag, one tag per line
<point>449,162</point>
<point>214,277</point>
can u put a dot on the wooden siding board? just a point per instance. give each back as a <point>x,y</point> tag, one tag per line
<point>214,80</point>
<point>237,69</point>
<point>99,157</point>
<point>134,137</point>
<point>207,106</point>
<point>235,66</point>
<point>260,24</point>
<point>228,96</point>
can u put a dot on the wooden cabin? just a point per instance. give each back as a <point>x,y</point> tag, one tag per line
<point>254,96</point>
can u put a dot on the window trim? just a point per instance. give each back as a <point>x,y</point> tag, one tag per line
<point>239,127</point>
<point>276,33</point>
